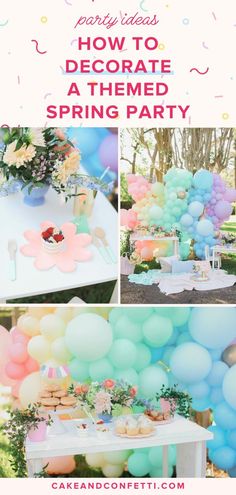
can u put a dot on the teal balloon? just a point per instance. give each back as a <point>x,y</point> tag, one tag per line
<point>231,439</point>
<point>138,464</point>
<point>88,337</point>
<point>151,380</point>
<point>179,316</point>
<point>156,472</point>
<point>203,179</point>
<point>167,354</point>
<point>155,212</point>
<point>217,373</point>
<point>129,375</point>
<point>201,404</point>
<point>186,220</point>
<point>126,328</point>
<point>157,330</point>
<point>199,390</point>
<point>100,370</point>
<point>156,456</point>
<point>219,437</point>
<point>213,327</point>
<point>143,357</point>
<point>79,370</point>
<point>123,354</point>
<point>223,457</point>
<point>229,388</point>
<point>190,362</point>
<point>138,314</point>
<point>114,315</point>
<point>184,337</point>
<point>225,416</point>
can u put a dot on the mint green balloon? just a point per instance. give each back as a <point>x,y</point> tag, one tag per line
<point>88,337</point>
<point>151,380</point>
<point>138,464</point>
<point>100,370</point>
<point>129,375</point>
<point>126,328</point>
<point>156,472</point>
<point>157,330</point>
<point>114,315</point>
<point>79,370</point>
<point>143,358</point>
<point>155,456</point>
<point>138,314</point>
<point>179,316</point>
<point>123,354</point>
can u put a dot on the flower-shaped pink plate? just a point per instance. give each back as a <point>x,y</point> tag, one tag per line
<point>75,248</point>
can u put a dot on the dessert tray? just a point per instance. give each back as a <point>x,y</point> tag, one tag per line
<point>125,435</point>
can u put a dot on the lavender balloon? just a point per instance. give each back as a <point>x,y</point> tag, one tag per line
<point>108,152</point>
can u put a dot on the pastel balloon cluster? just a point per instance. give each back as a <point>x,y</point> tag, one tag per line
<point>196,205</point>
<point>99,149</point>
<point>147,347</point>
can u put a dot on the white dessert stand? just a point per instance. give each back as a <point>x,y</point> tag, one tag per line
<point>57,427</point>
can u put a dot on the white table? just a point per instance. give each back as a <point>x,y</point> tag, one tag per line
<point>16,217</point>
<point>189,438</point>
<point>152,237</point>
<point>221,249</point>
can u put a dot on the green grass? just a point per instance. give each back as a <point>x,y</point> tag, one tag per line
<point>92,294</point>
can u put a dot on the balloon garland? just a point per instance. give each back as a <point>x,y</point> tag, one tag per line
<point>195,205</point>
<point>147,347</point>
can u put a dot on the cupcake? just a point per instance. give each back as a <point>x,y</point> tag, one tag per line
<point>132,427</point>
<point>120,427</point>
<point>52,240</point>
<point>145,426</point>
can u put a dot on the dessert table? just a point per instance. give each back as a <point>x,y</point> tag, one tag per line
<point>221,249</point>
<point>189,438</point>
<point>18,217</point>
<point>152,237</point>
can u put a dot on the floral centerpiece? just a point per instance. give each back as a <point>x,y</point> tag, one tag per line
<point>36,158</point>
<point>228,239</point>
<point>107,398</point>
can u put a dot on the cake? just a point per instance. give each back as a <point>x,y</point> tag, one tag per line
<point>52,240</point>
<point>55,398</point>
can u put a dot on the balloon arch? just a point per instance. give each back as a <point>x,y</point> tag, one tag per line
<point>196,205</point>
<point>147,347</point>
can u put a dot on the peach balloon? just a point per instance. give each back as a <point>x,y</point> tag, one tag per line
<point>29,325</point>
<point>60,465</point>
<point>52,327</point>
<point>40,312</point>
<point>31,365</point>
<point>30,388</point>
<point>65,313</point>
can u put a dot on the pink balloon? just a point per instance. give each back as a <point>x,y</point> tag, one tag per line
<point>31,365</point>
<point>108,152</point>
<point>18,352</point>
<point>230,195</point>
<point>5,343</point>
<point>147,253</point>
<point>15,389</point>
<point>15,371</point>
<point>60,465</point>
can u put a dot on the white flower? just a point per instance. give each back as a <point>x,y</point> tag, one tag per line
<point>19,157</point>
<point>36,136</point>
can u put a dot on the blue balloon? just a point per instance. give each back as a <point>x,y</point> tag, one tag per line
<point>231,439</point>
<point>205,326</point>
<point>201,404</point>
<point>186,220</point>
<point>215,354</point>
<point>190,362</point>
<point>93,166</point>
<point>199,390</point>
<point>87,139</point>
<point>184,337</point>
<point>224,457</point>
<point>225,416</point>
<point>203,179</point>
<point>232,472</point>
<point>205,228</point>
<point>219,438</point>
<point>217,373</point>
<point>167,354</point>
<point>173,338</point>
<point>156,354</point>
<point>195,209</point>
<point>216,395</point>
<point>229,387</point>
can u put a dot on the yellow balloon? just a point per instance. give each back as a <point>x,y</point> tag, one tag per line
<point>95,460</point>
<point>65,313</point>
<point>29,325</point>
<point>30,388</point>
<point>113,470</point>
<point>39,348</point>
<point>104,312</point>
<point>40,312</point>
<point>60,351</point>
<point>52,327</point>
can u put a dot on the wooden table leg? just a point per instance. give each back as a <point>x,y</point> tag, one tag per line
<point>191,460</point>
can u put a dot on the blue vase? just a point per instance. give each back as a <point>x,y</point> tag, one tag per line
<point>106,418</point>
<point>35,196</point>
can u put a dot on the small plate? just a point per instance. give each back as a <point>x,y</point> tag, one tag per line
<point>125,435</point>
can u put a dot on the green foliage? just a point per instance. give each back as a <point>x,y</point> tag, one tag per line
<point>125,245</point>
<point>124,195</point>
<point>180,402</point>
<point>20,422</point>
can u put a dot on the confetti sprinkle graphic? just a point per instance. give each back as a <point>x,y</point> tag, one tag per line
<point>213,13</point>
<point>2,24</point>
<point>199,72</point>
<point>225,115</point>
<point>18,79</point>
<point>46,95</point>
<point>68,3</point>
<point>204,45</point>
<point>185,21</point>
<point>141,6</point>
<point>44,19</point>
<point>73,41</point>
<point>37,49</point>
<point>218,96</point>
